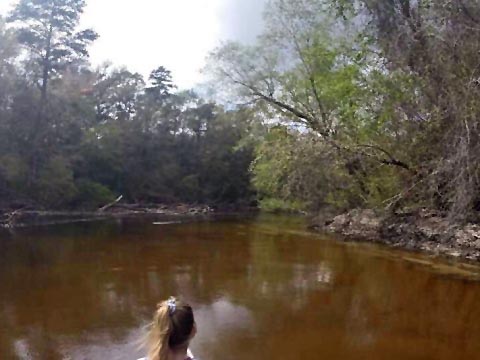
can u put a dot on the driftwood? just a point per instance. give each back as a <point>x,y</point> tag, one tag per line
<point>24,217</point>
<point>133,207</point>
<point>108,206</point>
<point>9,218</point>
<point>20,218</point>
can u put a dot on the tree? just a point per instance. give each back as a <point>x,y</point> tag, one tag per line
<point>8,53</point>
<point>75,137</point>
<point>436,44</point>
<point>160,84</point>
<point>309,69</point>
<point>8,48</point>
<point>116,93</point>
<point>315,72</point>
<point>48,29</point>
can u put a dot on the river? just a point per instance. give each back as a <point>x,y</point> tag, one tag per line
<point>261,287</point>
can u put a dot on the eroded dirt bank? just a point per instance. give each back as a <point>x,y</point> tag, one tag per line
<point>421,230</point>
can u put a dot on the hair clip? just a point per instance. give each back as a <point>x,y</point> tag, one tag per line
<point>172,306</point>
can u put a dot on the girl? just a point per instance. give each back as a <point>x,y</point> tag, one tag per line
<point>171,331</point>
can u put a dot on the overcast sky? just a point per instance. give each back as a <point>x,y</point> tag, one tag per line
<point>178,34</point>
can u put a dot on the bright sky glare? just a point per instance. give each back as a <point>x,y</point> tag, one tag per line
<point>178,34</point>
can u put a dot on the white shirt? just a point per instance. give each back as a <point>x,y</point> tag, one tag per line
<point>189,355</point>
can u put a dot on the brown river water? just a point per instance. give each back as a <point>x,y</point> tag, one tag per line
<point>261,288</point>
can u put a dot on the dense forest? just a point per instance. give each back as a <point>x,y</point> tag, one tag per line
<point>77,137</point>
<point>339,104</point>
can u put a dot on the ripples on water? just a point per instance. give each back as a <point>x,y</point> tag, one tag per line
<point>261,288</point>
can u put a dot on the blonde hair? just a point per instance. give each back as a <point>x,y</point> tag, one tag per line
<point>171,329</point>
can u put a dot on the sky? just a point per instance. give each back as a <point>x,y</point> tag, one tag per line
<point>177,34</point>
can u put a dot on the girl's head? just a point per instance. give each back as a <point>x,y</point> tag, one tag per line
<point>172,329</point>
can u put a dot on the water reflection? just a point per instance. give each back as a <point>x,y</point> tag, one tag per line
<point>260,289</point>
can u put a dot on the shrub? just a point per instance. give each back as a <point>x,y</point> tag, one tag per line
<point>92,195</point>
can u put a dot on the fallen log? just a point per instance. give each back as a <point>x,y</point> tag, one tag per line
<point>108,206</point>
<point>9,218</point>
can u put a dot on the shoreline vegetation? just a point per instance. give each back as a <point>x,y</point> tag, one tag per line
<point>337,105</point>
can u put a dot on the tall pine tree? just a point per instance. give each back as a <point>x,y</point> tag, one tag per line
<point>48,29</point>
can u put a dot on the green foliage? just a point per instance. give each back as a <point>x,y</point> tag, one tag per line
<point>91,195</point>
<point>116,93</point>
<point>8,48</point>
<point>281,206</point>
<point>48,29</point>
<point>160,84</point>
<point>14,170</point>
<point>55,187</point>
<point>273,163</point>
<point>191,189</point>
<point>76,137</point>
<point>297,170</point>
<point>368,104</point>
<point>319,69</point>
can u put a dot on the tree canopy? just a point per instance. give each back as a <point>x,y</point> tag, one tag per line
<point>76,137</point>
<point>387,88</point>
<point>338,104</point>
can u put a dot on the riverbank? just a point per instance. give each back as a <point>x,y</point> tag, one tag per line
<point>420,230</point>
<point>22,218</point>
